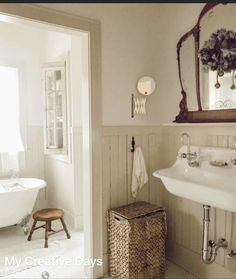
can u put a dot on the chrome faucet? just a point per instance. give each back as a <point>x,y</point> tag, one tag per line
<point>191,157</point>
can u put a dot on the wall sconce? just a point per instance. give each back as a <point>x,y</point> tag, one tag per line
<point>145,86</point>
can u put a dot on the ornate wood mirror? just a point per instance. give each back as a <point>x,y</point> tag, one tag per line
<point>207,67</point>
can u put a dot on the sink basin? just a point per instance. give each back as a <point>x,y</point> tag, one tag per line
<point>207,184</point>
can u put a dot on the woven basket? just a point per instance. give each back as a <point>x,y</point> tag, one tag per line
<point>136,235</point>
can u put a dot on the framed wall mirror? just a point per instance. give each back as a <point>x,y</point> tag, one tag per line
<point>206,58</point>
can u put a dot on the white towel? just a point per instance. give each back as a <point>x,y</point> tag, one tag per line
<point>139,176</point>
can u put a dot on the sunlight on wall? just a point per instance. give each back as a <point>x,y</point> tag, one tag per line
<point>10,140</point>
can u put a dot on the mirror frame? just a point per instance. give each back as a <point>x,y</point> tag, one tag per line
<point>199,116</point>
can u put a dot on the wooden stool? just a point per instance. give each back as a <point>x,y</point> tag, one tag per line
<point>48,215</point>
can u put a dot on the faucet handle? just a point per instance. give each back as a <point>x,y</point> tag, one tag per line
<point>233,161</point>
<point>183,155</point>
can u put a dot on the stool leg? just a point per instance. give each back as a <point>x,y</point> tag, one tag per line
<point>49,226</point>
<point>46,234</point>
<point>65,228</point>
<point>32,230</point>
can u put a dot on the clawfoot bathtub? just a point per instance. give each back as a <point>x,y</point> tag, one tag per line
<point>17,199</point>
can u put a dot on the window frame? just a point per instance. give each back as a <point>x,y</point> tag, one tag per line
<point>62,154</point>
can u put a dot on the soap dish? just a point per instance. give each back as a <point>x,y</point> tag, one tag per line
<point>218,163</point>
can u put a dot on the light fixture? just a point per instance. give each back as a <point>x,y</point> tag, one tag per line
<point>146,86</point>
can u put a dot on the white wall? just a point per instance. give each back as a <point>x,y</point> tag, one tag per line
<point>138,39</point>
<point>24,47</point>
<point>65,178</point>
<point>130,38</point>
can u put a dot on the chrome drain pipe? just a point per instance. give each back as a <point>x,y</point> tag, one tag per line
<point>210,247</point>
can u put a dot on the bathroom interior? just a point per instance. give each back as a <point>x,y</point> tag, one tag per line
<point>43,69</point>
<point>183,122</point>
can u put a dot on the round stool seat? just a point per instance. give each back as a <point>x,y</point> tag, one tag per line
<point>48,214</point>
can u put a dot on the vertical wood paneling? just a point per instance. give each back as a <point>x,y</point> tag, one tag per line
<point>114,170</point>
<point>221,214</point>
<point>155,185</point>
<point>222,141</point>
<point>34,161</point>
<point>118,165</point>
<point>186,224</point>
<point>233,237</point>
<point>220,232</point>
<point>130,167</point>
<point>171,216</point>
<point>232,141</point>
<point>160,149</point>
<point>178,223</point>
<point>212,140</point>
<point>229,227</point>
<point>106,184</point>
<point>212,229</point>
<point>122,171</point>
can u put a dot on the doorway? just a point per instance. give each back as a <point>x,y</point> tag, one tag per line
<point>86,167</point>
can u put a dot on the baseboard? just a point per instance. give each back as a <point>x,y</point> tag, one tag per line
<point>192,262</point>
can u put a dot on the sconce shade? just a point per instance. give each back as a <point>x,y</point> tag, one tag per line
<point>146,85</point>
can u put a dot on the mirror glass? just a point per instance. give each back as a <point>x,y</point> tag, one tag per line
<point>146,85</point>
<point>187,56</point>
<point>218,91</point>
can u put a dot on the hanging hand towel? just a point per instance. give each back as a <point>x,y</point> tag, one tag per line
<point>139,176</point>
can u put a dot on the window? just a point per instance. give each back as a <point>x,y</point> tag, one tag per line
<point>10,140</point>
<point>56,110</point>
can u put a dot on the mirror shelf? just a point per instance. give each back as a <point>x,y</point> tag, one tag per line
<point>189,124</point>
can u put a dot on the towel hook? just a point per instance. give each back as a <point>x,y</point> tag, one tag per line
<point>132,144</point>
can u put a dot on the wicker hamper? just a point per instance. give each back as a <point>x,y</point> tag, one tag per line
<point>136,234</point>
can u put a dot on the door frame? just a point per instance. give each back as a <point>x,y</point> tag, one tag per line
<point>92,193</point>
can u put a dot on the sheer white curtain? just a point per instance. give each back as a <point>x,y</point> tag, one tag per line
<point>11,146</point>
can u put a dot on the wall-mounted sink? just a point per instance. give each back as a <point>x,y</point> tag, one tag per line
<point>212,183</point>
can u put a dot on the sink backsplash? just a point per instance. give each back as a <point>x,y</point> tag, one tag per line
<point>211,154</point>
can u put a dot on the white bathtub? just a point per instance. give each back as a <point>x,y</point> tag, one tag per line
<point>17,199</point>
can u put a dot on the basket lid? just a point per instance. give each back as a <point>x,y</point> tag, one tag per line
<point>136,209</point>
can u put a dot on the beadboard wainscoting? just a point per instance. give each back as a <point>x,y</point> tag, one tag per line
<point>160,145</point>
<point>34,161</point>
<point>185,217</point>
<point>117,168</point>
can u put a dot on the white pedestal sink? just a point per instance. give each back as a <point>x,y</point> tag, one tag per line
<point>212,183</point>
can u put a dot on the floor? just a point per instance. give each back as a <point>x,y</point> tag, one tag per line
<point>69,249</point>
<point>175,272</point>
<point>63,268</point>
